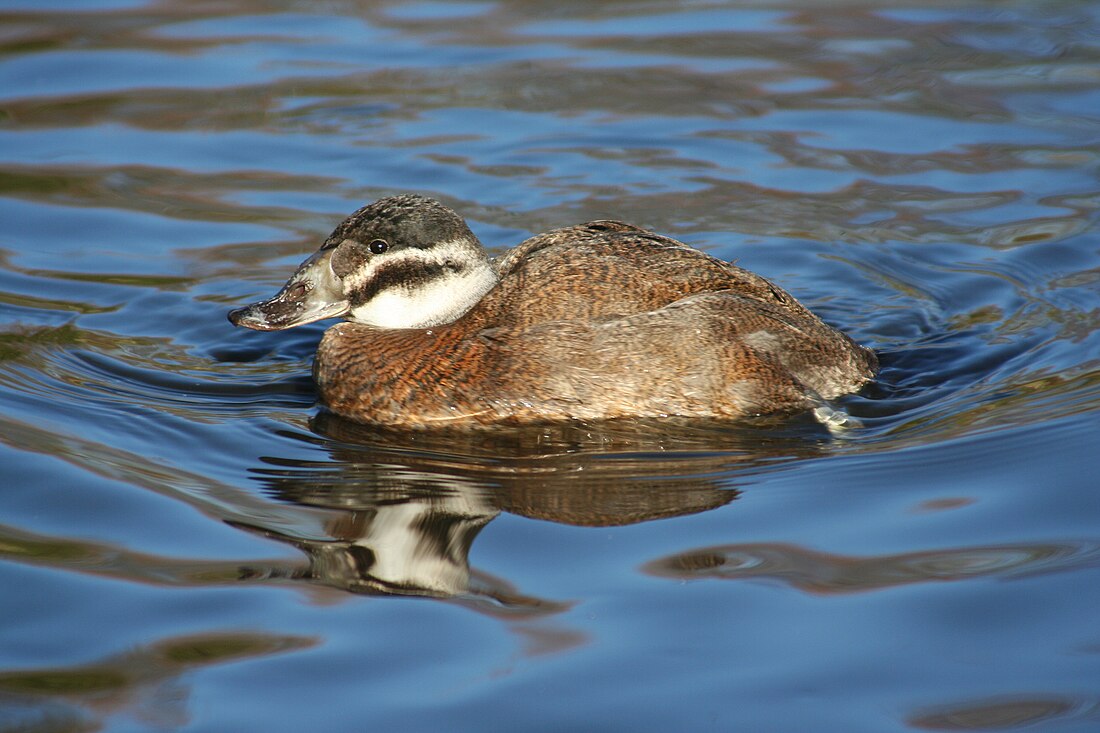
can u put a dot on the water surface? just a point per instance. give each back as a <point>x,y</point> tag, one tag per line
<point>188,543</point>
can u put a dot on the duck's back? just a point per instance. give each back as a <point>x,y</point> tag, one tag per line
<point>609,269</point>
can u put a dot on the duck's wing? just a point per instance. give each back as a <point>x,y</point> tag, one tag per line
<point>608,269</point>
<point>716,355</point>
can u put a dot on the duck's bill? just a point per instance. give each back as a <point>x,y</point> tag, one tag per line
<point>279,313</point>
<point>312,294</point>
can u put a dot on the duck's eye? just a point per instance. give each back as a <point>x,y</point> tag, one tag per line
<point>378,246</point>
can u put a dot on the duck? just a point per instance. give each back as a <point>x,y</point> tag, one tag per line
<point>593,322</point>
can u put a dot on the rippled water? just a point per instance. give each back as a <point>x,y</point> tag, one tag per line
<point>186,543</point>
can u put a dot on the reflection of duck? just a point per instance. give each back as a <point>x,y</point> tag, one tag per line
<point>403,508</point>
<point>596,321</point>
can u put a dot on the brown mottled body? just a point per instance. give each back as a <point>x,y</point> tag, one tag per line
<point>603,320</point>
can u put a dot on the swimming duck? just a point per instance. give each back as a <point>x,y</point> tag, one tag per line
<point>597,321</point>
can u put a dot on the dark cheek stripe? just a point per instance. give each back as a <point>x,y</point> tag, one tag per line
<point>408,275</point>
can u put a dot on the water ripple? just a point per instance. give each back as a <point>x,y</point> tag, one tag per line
<point>924,176</point>
<point>819,572</point>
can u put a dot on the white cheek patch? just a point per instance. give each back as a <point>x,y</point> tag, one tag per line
<point>423,303</point>
<point>429,305</point>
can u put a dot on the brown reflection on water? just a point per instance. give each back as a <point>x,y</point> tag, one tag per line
<point>825,573</point>
<point>602,474</point>
<point>143,683</point>
<point>110,561</point>
<point>1010,711</point>
<point>887,213</point>
<point>177,193</point>
<point>405,508</point>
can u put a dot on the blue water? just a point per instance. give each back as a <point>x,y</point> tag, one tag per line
<point>188,543</point>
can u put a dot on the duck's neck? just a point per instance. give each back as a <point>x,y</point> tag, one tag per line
<point>427,287</point>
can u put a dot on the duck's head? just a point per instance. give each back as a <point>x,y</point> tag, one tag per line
<point>401,262</point>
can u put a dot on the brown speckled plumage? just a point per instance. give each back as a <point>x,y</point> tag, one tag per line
<point>597,321</point>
